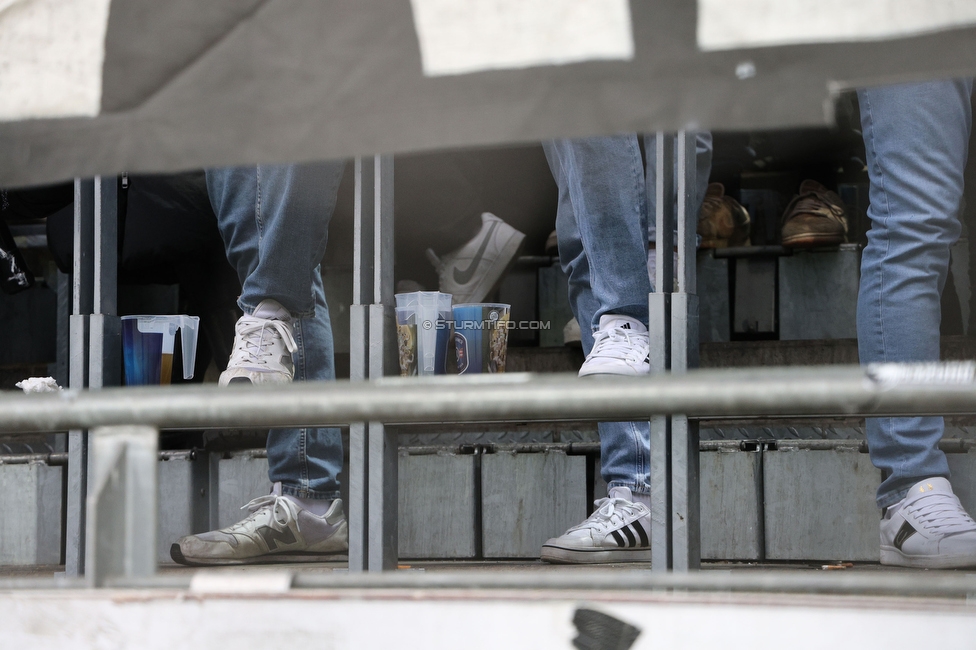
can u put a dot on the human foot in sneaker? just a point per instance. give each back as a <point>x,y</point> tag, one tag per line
<point>472,271</point>
<point>617,531</point>
<point>279,529</point>
<point>263,348</point>
<point>928,529</point>
<point>620,347</point>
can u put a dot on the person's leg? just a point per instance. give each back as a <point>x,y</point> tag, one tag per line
<point>916,138</point>
<point>274,221</point>
<point>600,231</point>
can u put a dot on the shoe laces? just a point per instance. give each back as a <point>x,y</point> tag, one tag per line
<point>620,343</point>
<point>255,336</point>
<point>610,512</point>
<point>275,502</point>
<point>942,513</point>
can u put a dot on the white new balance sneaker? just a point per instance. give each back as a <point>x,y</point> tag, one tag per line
<point>621,347</point>
<point>928,529</point>
<point>472,271</point>
<point>617,531</point>
<point>277,530</point>
<point>263,348</point>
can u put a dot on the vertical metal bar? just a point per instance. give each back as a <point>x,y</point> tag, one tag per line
<point>81,306</point>
<point>659,329</point>
<point>687,214</point>
<point>364,223</point>
<point>383,531</point>
<point>664,219</point>
<point>685,488</point>
<point>105,327</point>
<point>382,442</point>
<point>121,539</point>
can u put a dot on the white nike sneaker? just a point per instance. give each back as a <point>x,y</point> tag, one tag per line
<point>620,347</point>
<point>263,348</point>
<point>277,530</point>
<point>928,529</point>
<point>472,271</point>
<point>617,531</point>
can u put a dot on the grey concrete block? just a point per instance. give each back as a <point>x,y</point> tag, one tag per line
<point>184,506</point>
<point>713,292</point>
<point>963,469</point>
<point>242,478</point>
<point>528,498</point>
<point>819,505</point>
<point>437,509</point>
<point>30,502</point>
<point>731,512</point>
<point>818,294</point>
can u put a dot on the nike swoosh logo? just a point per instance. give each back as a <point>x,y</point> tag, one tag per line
<point>463,277</point>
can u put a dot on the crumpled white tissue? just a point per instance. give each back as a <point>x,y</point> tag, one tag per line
<point>38,385</point>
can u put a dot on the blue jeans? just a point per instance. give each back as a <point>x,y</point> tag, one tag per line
<point>274,220</point>
<point>605,199</point>
<point>916,137</point>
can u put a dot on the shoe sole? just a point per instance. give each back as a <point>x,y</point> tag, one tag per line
<point>811,240</point>
<point>557,555</point>
<point>503,263</point>
<point>271,558</point>
<point>891,556</point>
<point>606,373</point>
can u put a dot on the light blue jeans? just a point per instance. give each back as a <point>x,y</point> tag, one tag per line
<point>605,199</point>
<point>274,220</point>
<point>916,137</point>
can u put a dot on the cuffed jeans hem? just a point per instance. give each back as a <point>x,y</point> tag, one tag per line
<point>892,497</point>
<point>634,487</point>
<point>249,309</point>
<point>304,493</point>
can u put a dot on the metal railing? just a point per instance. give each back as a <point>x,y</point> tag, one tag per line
<point>121,506</point>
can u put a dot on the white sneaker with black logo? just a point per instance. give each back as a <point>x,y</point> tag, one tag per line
<point>617,531</point>
<point>620,347</point>
<point>277,530</point>
<point>263,348</point>
<point>928,529</point>
<point>472,271</point>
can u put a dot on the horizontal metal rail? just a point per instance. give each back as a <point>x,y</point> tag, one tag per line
<point>889,390</point>
<point>932,584</point>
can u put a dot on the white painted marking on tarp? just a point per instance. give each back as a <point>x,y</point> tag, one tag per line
<point>51,56</point>
<point>463,36</point>
<point>730,24</point>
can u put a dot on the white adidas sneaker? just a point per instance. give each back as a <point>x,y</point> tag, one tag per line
<point>928,529</point>
<point>620,347</point>
<point>472,271</point>
<point>617,531</point>
<point>263,348</point>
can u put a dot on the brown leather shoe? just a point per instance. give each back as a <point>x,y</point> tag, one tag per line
<point>815,217</point>
<point>722,220</point>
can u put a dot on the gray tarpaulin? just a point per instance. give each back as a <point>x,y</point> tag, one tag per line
<point>191,83</point>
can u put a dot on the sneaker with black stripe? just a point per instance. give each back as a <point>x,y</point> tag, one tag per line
<point>928,529</point>
<point>617,531</point>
